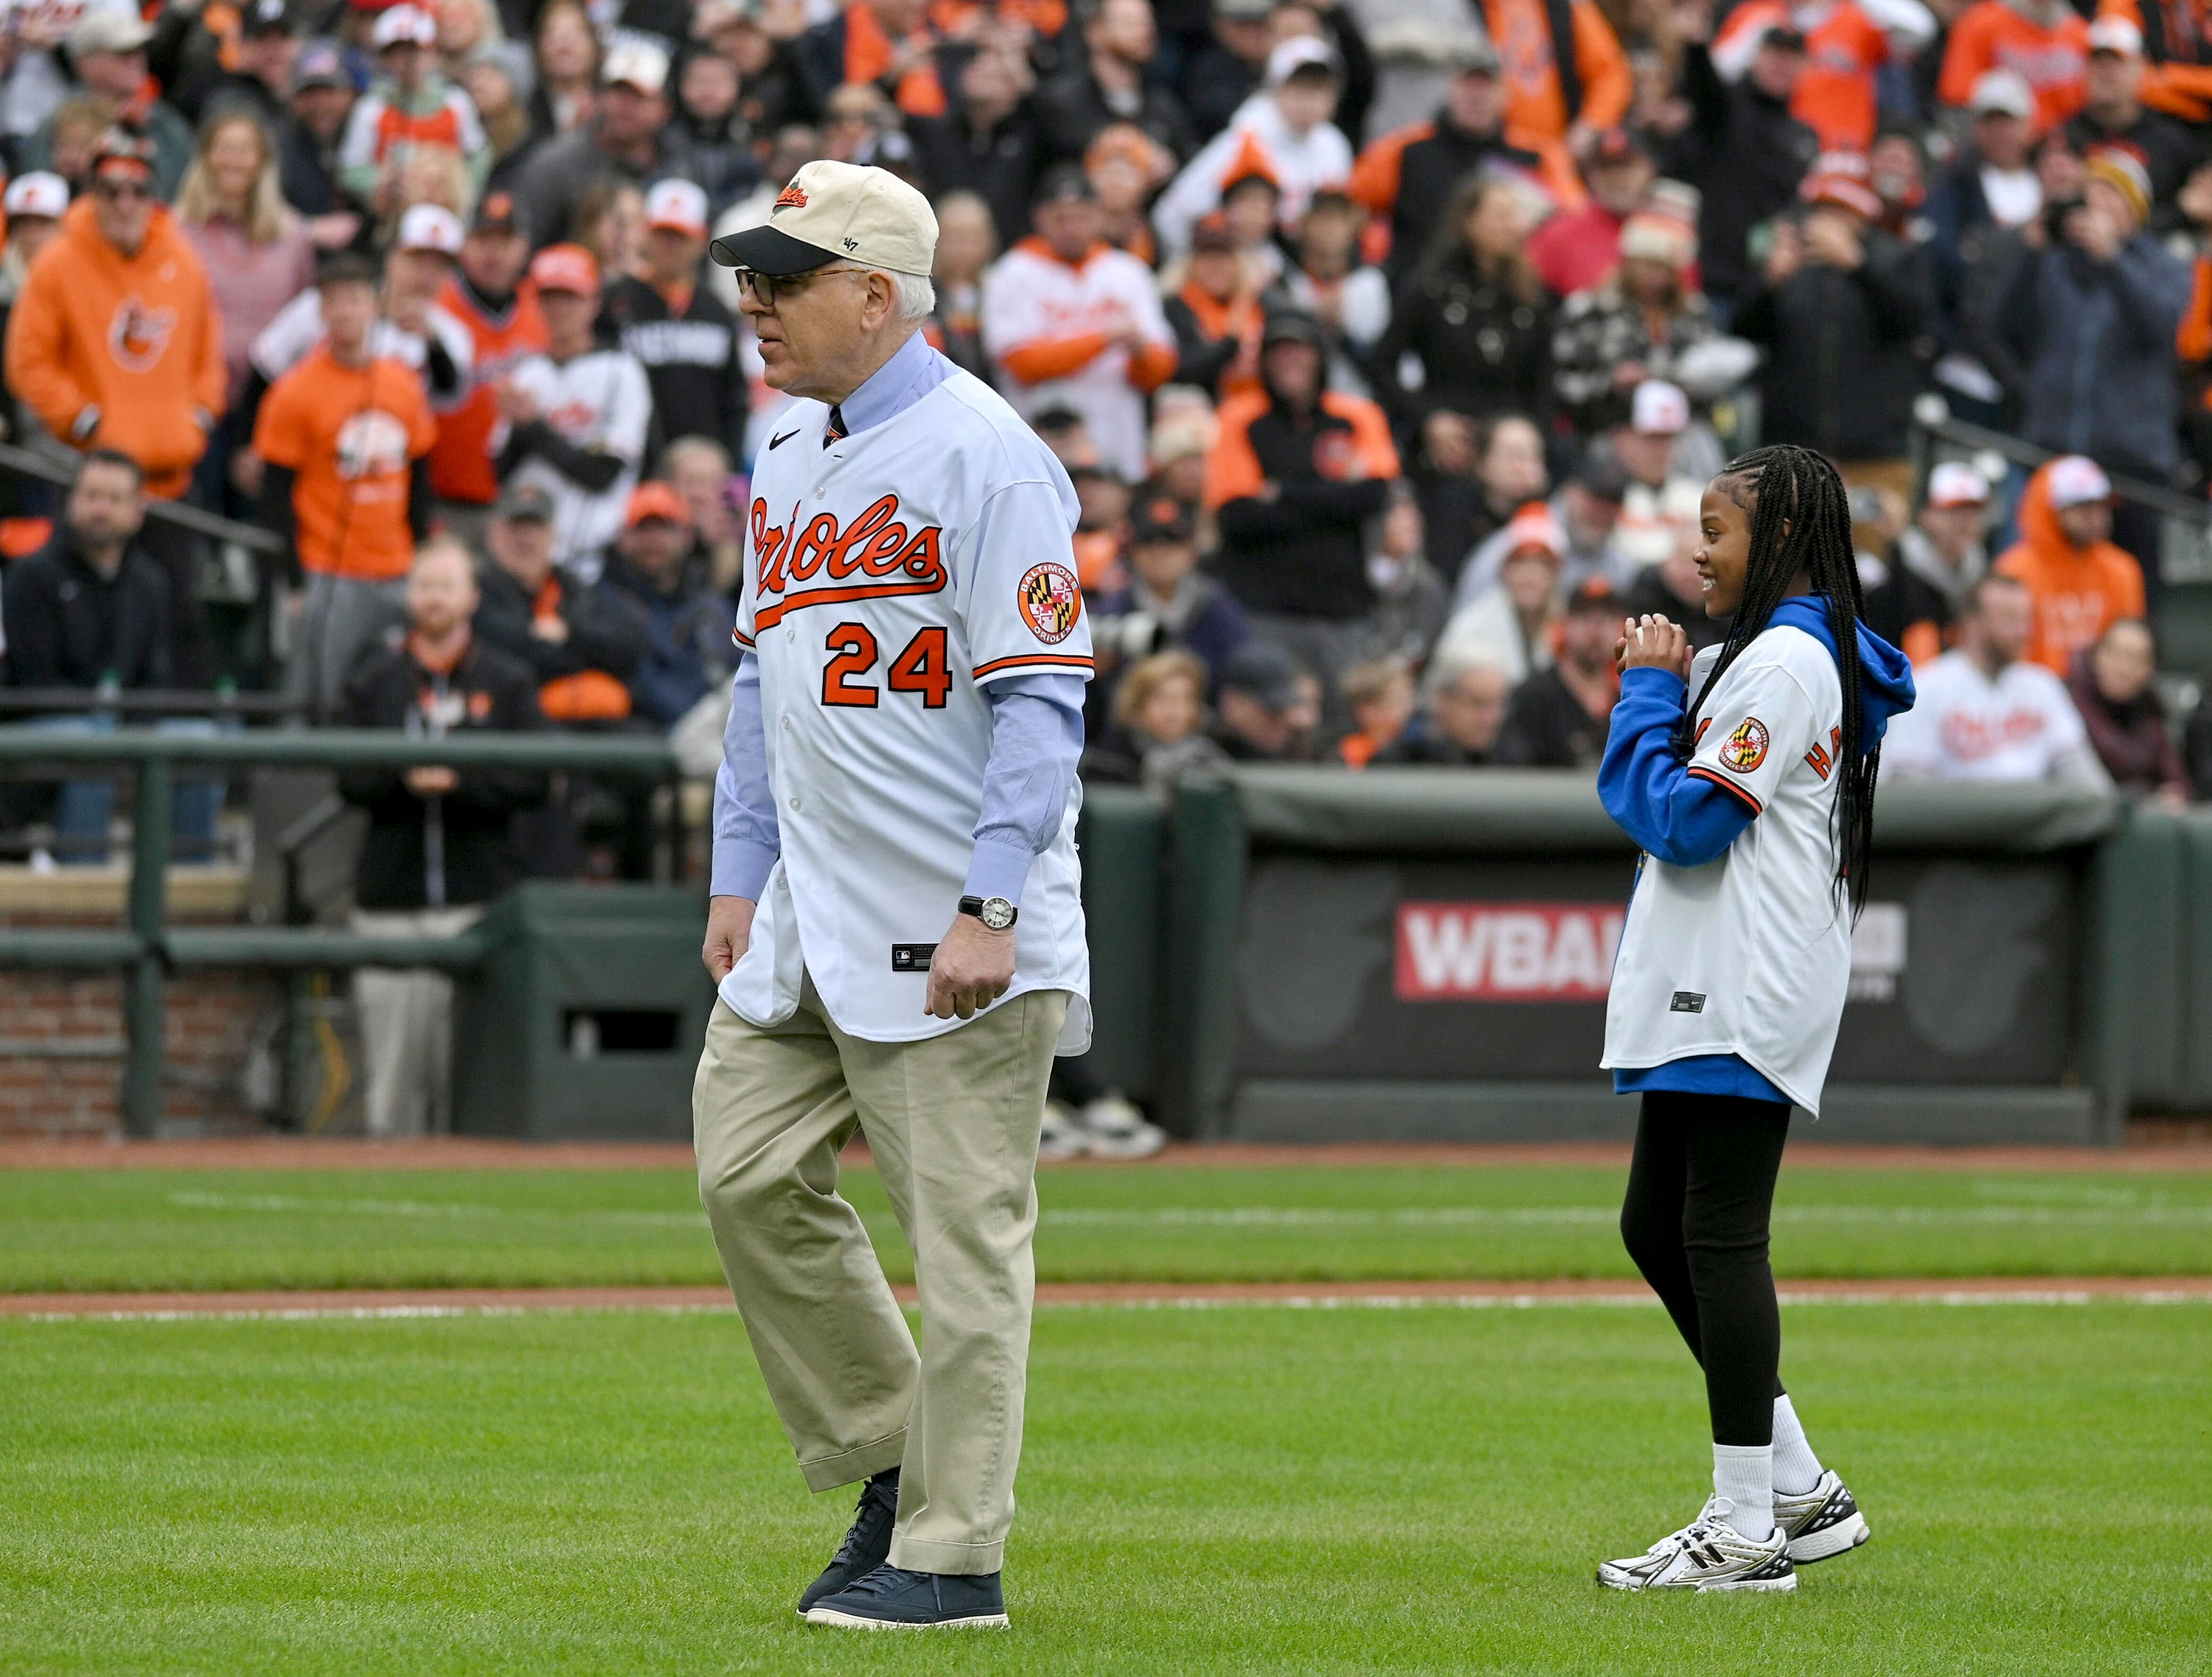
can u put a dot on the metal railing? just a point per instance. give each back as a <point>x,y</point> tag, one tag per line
<point>147,948</point>
<point>61,472</point>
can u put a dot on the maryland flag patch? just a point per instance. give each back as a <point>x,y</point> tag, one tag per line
<point>1745,749</point>
<point>1051,601</point>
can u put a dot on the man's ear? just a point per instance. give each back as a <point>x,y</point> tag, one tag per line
<point>881,301</point>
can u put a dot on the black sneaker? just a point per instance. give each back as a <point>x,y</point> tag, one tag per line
<point>890,1598</point>
<point>867,1545</point>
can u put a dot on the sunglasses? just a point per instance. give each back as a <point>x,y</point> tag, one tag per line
<point>122,189</point>
<point>764,289</point>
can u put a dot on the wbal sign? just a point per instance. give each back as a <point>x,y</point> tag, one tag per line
<point>1506,951</point>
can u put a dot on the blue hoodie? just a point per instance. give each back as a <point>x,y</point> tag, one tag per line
<point>1686,821</point>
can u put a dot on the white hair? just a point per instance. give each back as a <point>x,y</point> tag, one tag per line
<point>915,294</point>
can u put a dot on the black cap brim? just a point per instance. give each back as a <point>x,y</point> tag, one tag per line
<point>766,251</point>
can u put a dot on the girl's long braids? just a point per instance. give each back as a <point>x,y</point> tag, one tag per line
<point>1785,485</point>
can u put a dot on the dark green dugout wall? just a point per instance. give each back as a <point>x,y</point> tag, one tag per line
<point>2037,961</point>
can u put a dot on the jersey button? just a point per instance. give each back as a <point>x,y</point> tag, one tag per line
<point>795,803</point>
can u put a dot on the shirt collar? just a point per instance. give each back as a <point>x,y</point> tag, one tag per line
<point>914,370</point>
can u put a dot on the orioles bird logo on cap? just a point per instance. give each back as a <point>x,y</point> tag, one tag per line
<point>792,196</point>
<point>1051,601</point>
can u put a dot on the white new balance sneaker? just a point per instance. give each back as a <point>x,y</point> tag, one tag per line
<point>1708,1553</point>
<point>1822,1522</point>
<point>1114,1128</point>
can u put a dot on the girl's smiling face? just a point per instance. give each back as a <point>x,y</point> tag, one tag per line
<point>1723,555</point>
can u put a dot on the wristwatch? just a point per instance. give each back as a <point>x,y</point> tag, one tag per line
<point>995,912</point>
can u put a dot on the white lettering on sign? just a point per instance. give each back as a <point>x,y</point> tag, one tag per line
<point>1506,951</point>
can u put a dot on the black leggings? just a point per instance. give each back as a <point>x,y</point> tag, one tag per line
<point>1700,1194</point>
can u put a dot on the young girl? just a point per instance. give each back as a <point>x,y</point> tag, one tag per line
<point>1751,791</point>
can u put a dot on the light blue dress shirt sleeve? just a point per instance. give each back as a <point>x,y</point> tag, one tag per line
<point>1037,740</point>
<point>747,841</point>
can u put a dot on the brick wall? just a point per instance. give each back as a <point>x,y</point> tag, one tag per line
<point>210,1019</point>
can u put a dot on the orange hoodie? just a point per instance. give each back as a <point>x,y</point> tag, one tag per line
<point>137,336</point>
<point>2079,592</point>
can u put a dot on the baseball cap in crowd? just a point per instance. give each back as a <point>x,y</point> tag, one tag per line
<point>110,29</point>
<point>678,206</point>
<point>404,26</point>
<point>430,227</point>
<point>2002,93</point>
<point>1213,233</point>
<point>520,502</point>
<point>1955,484</point>
<point>1660,232</point>
<point>1533,530</point>
<point>319,66</point>
<point>2076,480</point>
<point>2116,35</point>
<point>1839,178</point>
<point>832,211</point>
<point>1473,55</point>
<point>653,499</point>
<point>2123,168</point>
<point>122,150</point>
<point>1244,11</point>
<point>268,17</point>
<point>1064,183</point>
<point>1263,673</point>
<point>1783,37</point>
<point>1601,476</point>
<point>344,268</point>
<point>498,213</point>
<point>566,268</point>
<point>635,64</point>
<point>1616,145</point>
<point>1658,409</point>
<point>38,193</point>
<point>1290,325</point>
<point>1594,593</point>
<point>1298,54</point>
<point>1162,518</point>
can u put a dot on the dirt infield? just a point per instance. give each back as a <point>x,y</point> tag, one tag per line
<point>473,1153</point>
<point>504,1301</point>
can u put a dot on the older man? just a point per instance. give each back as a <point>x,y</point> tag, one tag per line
<point>895,924</point>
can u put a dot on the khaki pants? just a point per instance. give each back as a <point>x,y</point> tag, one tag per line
<point>952,1122</point>
<point>407,1026</point>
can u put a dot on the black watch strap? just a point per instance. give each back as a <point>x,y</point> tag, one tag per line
<point>974,905</point>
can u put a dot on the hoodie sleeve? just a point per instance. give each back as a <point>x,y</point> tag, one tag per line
<point>1677,817</point>
<point>36,371</point>
<point>210,376</point>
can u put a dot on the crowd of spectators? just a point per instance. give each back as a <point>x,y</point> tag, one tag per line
<point>1378,429</point>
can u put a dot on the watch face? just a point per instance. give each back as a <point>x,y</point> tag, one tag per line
<point>997,913</point>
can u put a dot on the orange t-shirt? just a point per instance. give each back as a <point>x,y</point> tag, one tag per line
<point>1991,35</point>
<point>348,434</point>
<point>1534,103</point>
<point>2078,595</point>
<point>461,465</point>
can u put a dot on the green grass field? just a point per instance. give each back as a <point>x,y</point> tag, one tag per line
<point>145,1229</point>
<point>1203,1491</point>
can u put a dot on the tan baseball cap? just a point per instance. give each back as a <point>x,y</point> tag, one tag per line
<point>834,212</point>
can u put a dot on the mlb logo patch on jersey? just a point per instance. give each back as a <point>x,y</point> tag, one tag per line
<point>1050,602</point>
<point>1745,747</point>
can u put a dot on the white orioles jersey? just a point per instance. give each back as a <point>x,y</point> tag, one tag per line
<point>887,577</point>
<point>1751,953</point>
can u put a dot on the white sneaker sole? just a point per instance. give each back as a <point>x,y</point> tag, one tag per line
<point>846,1621</point>
<point>1836,1539</point>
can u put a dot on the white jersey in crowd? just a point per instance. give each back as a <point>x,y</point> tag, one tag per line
<point>1031,296</point>
<point>601,400</point>
<point>289,338</point>
<point>2020,727</point>
<point>887,577</point>
<point>1750,954</point>
<point>1302,165</point>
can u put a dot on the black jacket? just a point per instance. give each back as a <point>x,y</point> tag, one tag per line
<point>998,164</point>
<point>1072,109</point>
<point>454,849</point>
<point>68,626</point>
<point>1547,727</point>
<point>691,361</point>
<point>1746,153</point>
<point>1484,349</point>
<point>1843,364</point>
<point>602,636</point>
<point>1431,170</point>
<point>1301,554</point>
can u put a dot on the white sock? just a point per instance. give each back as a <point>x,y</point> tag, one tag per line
<point>1796,1469</point>
<point>1743,1475</point>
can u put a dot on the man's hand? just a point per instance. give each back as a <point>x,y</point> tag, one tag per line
<point>1831,239</point>
<point>552,629</point>
<point>431,780</point>
<point>729,933</point>
<point>517,405</point>
<point>1785,255</point>
<point>1653,643</point>
<point>971,969</point>
<point>2092,230</point>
